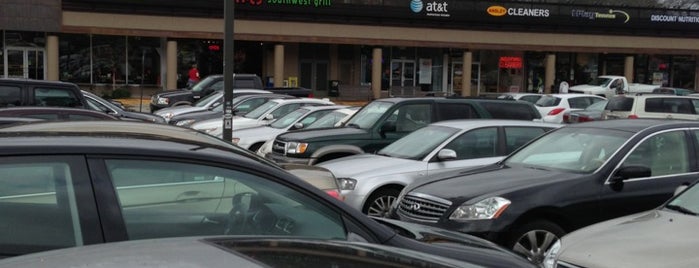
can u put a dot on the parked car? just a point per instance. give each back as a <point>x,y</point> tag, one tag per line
<point>336,118</point>
<point>263,114</point>
<point>554,106</point>
<point>66,184</point>
<point>383,121</point>
<point>232,251</point>
<point>241,105</point>
<point>55,113</point>
<point>673,91</point>
<point>528,97</point>
<point>97,103</point>
<point>591,113</point>
<point>7,120</point>
<point>372,182</point>
<point>662,237</point>
<point>317,176</point>
<point>204,104</point>
<point>652,106</point>
<point>205,87</point>
<point>569,178</point>
<point>253,138</point>
<point>31,92</point>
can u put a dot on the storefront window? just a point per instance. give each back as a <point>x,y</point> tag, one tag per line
<point>585,68</point>
<point>2,54</point>
<point>563,68</point>
<point>109,59</point>
<point>659,70</point>
<point>430,69</point>
<point>683,72</point>
<point>74,58</point>
<point>144,60</point>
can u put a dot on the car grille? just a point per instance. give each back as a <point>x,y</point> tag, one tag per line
<point>422,207</point>
<point>279,147</point>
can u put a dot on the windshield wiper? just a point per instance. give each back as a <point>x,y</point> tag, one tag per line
<point>383,154</point>
<point>681,209</point>
<point>536,167</point>
<point>353,125</point>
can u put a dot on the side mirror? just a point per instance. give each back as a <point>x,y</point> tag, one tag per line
<point>389,126</point>
<point>630,172</point>
<point>269,117</point>
<point>446,154</point>
<point>297,126</point>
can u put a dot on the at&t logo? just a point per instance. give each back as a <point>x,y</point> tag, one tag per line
<point>416,6</point>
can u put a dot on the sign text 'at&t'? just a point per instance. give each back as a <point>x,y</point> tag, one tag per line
<point>434,8</point>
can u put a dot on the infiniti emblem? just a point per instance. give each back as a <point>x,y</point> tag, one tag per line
<point>414,207</point>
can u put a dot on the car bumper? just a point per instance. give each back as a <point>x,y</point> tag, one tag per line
<point>486,229</point>
<point>154,108</point>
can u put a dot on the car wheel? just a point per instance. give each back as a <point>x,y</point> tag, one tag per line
<point>380,202</point>
<point>255,146</point>
<point>533,239</point>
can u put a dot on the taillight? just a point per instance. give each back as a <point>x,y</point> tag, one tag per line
<point>633,116</point>
<point>566,118</point>
<point>585,119</point>
<point>556,111</point>
<point>336,194</point>
<point>310,95</point>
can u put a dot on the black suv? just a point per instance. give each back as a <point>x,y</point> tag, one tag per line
<point>30,92</point>
<point>65,184</point>
<point>206,86</point>
<point>566,179</point>
<point>383,121</point>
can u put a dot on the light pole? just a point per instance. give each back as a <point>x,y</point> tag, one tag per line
<point>228,68</point>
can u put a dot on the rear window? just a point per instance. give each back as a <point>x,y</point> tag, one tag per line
<point>548,101</point>
<point>669,105</point>
<point>56,97</point>
<point>514,110</point>
<point>619,103</point>
<point>9,96</point>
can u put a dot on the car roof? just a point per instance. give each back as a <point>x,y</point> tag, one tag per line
<point>36,81</point>
<point>475,123</point>
<point>32,110</point>
<point>635,125</point>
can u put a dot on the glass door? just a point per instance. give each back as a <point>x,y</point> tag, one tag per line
<point>314,75</point>
<point>24,62</point>
<point>402,73</point>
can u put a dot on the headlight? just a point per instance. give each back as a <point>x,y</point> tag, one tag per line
<point>551,256</point>
<point>235,140</point>
<point>163,101</point>
<point>489,208</point>
<point>185,123</point>
<point>296,147</point>
<point>210,131</point>
<point>346,183</point>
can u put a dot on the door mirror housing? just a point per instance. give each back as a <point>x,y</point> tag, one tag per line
<point>446,155</point>
<point>297,126</point>
<point>630,172</point>
<point>269,117</point>
<point>387,127</point>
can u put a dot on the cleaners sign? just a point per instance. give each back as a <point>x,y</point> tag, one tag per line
<point>499,11</point>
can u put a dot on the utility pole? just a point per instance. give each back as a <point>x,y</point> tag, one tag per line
<point>228,68</point>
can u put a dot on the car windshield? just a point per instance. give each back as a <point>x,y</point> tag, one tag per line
<point>687,202</point>
<point>418,143</point>
<point>288,119</point>
<point>327,120</point>
<point>548,101</point>
<point>209,100</point>
<point>203,83</point>
<point>580,150</point>
<point>600,81</point>
<point>262,109</point>
<point>369,114</point>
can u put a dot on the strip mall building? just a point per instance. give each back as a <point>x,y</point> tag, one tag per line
<point>371,48</point>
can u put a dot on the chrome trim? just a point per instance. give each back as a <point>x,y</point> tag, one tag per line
<point>430,197</point>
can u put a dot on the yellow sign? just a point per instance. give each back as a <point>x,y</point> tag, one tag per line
<point>497,11</point>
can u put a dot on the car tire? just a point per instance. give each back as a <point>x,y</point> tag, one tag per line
<point>379,203</point>
<point>533,239</point>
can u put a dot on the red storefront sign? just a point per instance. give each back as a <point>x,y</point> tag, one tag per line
<point>510,62</point>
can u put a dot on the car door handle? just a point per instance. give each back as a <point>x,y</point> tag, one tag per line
<point>187,196</point>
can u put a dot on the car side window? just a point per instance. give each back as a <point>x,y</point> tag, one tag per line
<point>695,104</point>
<point>10,96</point>
<point>664,153</point>
<point>413,116</point>
<point>55,97</point>
<point>449,111</point>
<point>478,143</point>
<point>166,199</point>
<point>218,85</point>
<point>285,109</point>
<point>38,207</point>
<point>579,103</point>
<point>515,137</point>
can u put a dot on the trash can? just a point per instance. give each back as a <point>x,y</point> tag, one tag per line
<point>334,88</point>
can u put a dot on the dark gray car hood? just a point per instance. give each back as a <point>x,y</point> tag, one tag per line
<point>321,134</point>
<point>492,179</point>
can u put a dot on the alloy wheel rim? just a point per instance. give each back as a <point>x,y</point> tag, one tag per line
<point>381,206</point>
<point>535,244</point>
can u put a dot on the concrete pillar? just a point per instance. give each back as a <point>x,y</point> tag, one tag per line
<point>278,65</point>
<point>696,74</point>
<point>334,63</point>
<point>466,76</point>
<point>628,68</point>
<point>550,75</point>
<point>377,58</point>
<point>52,72</point>
<point>171,65</point>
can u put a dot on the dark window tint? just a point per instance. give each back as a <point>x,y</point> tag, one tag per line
<point>669,105</point>
<point>512,110</point>
<point>548,101</point>
<point>478,143</point>
<point>59,97</point>
<point>413,116</point>
<point>245,83</point>
<point>10,96</point>
<point>515,137</point>
<point>450,111</point>
<point>619,103</point>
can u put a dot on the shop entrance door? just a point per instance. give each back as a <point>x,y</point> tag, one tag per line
<point>314,75</point>
<point>402,73</point>
<point>457,71</point>
<point>24,62</point>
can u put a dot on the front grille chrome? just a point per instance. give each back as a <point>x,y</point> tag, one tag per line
<point>422,207</point>
<point>279,147</point>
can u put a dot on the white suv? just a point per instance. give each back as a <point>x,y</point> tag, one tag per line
<point>652,106</point>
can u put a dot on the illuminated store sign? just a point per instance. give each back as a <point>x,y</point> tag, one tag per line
<point>433,9</point>
<point>609,15</point>
<point>499,11</point>
<point>673,18</point>
<point>510,62</point>
<point>312,3</point>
